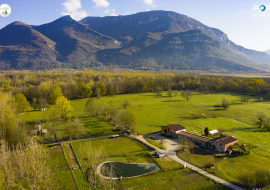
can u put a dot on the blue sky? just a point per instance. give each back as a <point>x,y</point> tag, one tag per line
<point>234,17</point>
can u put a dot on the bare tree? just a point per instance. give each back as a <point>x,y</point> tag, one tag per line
<point>113,114</point>
<point>126,103</point>
<point>52,115</point>
<point>175,93</point>
<point>29,163</point>
<point>94,157</point>
<point>6,164</point>
<point>78,127</point>
<point>187,94</point>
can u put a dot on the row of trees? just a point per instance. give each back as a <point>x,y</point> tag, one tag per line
<point>42,88</point>
<point>124,118</point>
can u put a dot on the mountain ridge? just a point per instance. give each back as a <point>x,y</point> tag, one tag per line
<point>155,39</point>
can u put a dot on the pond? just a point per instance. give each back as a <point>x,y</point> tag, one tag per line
<point>125,169</point>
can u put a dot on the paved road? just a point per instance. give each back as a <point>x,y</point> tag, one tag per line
<point>171,154</point>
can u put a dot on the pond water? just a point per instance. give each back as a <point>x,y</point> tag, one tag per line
<point>126,169</point>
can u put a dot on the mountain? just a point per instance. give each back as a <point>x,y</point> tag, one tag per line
<point>154,39</point>
<point>268,52</point>
<point>21,47</point>
<point>131,29</point>
<point>75,42</point>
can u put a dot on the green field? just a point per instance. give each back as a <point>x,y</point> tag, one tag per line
<point>152,111</point>
<point>199,157</point>
<point>167,163</point>
<point>233,167</point>
<point>98,127</point>
<point>176,179</point>
<point>60,169</point>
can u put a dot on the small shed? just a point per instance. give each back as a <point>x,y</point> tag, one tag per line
<point>213,132</point>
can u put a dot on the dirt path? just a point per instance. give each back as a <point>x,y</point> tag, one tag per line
<point>71,156</point>
<point>171,154</point>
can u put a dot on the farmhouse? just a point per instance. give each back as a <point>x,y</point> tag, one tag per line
<point>194,137</point>
<point>173,129</point>
<point>222,143</point>
<point>219,143</point>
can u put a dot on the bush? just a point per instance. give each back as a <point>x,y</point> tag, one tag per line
<point>259,178</point>
<point>220,155</point>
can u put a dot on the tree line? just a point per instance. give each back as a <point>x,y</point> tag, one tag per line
<point>42,88</point>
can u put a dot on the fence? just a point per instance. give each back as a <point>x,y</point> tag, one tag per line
<point>75,155</point>
<point>70,169</point>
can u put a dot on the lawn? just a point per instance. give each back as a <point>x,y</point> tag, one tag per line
<point>176,179</point>
<point>199,157</point>
<point>167,163</point>
<point>152,112</point>
<point>60,169</point>
<point>97,127</point>
<point>243,132</point>
<point>118,149</point>
<point>233,167</point>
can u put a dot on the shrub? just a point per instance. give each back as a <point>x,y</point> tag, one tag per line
<point>220,155</point>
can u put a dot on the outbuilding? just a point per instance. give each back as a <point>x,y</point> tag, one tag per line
<point>222,143</point>
<point>173,129</point>
<point>194,137</point>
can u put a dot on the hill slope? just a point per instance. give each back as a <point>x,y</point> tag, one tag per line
<point>22,47</point>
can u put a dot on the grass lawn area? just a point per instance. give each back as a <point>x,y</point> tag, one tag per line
<point>199,157</point>
<point>150,109</point>
<point>98,127</point>
<point>118,149</point>
<point>167,163</point>
<point>232,167</point>
<point>175,179</point>
<point>60,169</point>
<point>244,133</point>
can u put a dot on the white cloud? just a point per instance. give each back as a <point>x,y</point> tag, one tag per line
<point>101,3</point>
<point>148,10</point>
<point>73,8</point>
<point>149,2</point>
<point>110,12</point>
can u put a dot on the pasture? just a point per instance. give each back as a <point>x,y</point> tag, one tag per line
<point>232,167</point>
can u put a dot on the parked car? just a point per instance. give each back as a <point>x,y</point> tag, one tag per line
<point>203,147</point>
<point>157,153</point>
<point>161,155</point>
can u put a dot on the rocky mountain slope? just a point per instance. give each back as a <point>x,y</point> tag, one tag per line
<point>154,39</point>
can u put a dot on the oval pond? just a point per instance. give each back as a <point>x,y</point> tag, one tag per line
<point>126,169</point>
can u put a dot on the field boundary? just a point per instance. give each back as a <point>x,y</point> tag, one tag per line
<point>70,169</point>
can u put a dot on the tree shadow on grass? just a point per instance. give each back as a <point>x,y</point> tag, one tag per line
<point>173,101</point>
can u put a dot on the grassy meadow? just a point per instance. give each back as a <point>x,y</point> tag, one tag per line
<point>233,167</point>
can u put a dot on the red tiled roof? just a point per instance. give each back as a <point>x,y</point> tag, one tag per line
<point>225,140</point>
<point>195,136</point>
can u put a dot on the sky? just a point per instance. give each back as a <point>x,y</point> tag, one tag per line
<point>233,17</point>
